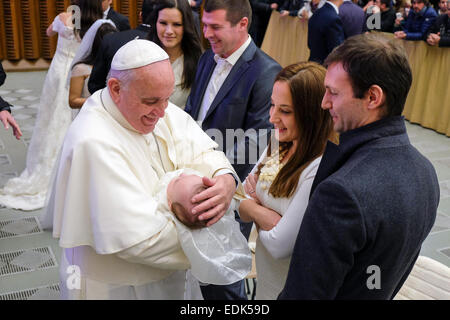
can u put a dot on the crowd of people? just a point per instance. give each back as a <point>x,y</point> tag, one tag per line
<point>327,28</point>
<point>150,197</point>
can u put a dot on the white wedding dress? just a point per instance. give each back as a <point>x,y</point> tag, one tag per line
<point>29,190</point>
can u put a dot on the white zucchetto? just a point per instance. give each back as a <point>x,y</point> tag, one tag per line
<point>137,53</point>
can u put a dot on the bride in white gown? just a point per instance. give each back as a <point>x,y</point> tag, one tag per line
<point>29,190</point>
<point>281,181</point>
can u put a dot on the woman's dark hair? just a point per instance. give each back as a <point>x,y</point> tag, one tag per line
<point>102,31</point>
<point>91,10</point>
<point>190,44</point>
<point>315,125</point>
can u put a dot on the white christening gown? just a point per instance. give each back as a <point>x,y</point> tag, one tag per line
<point>29,190</point>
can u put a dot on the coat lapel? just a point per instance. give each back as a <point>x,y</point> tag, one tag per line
<point>210,64</point>
<point>235,75</point>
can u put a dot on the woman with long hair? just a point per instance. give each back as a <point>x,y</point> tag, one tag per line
<point>280,183</point>
<point>29,190</point>
<point>173,29</point>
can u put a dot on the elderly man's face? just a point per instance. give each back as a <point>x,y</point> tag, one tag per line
<point>417,6</point>
<point>347,111</point>
<point>144,100</point>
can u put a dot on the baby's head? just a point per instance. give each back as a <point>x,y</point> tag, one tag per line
<point>179,194</point>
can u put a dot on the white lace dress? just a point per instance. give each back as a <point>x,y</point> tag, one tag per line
<point>274,248</point>
<point>29,190</point>
<point>80,70</point>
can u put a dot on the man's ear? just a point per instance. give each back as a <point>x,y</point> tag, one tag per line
<point>243,23</point>
<point>376,97</point>
<point>114,89</point>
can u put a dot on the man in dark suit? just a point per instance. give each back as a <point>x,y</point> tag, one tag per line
<point>113,42</point>
<point>5,110</point>
<point>231,94</point>
<point>375,197</point>
<point>352,17</point>
<point>325,31</point>
<point>122,23</point>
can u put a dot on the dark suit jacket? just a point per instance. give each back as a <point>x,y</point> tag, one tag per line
<point>353,18</point>
<point>110,44</point>
<point>119,20</point>
<point>243,101</point>
<point>325,32</point>
<point>3,104</point>
<point>373,202</point>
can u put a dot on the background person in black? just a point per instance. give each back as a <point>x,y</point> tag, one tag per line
<point>5,110</point>
<point>439,33</point>
<point>122,23</point>
<point>111,43</point>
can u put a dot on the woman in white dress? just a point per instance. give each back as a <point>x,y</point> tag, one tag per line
<point>173,29</point>
<point>280,183</point>
<point>83,62</point>
<point>29,190</point>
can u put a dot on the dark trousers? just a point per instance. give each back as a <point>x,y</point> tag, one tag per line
<point>234,291</point>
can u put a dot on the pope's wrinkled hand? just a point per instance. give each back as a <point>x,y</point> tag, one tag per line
<point>213,202</point>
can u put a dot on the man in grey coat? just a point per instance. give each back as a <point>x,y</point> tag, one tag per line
<point>374,198</point>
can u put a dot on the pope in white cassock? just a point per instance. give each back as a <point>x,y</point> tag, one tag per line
<point>116,244</point>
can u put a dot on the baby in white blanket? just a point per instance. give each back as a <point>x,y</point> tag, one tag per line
<point>218,254</point>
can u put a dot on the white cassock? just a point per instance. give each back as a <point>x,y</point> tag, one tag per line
<point>117,245</point>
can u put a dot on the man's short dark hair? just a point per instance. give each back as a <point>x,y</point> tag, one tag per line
<point>236,9</point>
<point>371,59</point>
<point>387,3</point>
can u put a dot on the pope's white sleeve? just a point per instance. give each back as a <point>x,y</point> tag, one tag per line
<point>162,251</point>
<point>280,240</point>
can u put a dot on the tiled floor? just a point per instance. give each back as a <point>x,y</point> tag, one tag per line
<point>29,256</point>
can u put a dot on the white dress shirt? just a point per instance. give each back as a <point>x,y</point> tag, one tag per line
<point>334,6</point>
<point>220,73</point>
<point>105,13</point>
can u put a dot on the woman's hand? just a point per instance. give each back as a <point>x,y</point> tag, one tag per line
<point>250,186</point>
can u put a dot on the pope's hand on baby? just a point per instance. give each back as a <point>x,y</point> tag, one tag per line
<point>213,202</point>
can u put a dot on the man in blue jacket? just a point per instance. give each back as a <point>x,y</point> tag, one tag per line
<point>419,20</point>
<point>374,198</point>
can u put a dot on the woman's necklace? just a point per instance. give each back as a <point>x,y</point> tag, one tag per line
<point>271,168</point>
